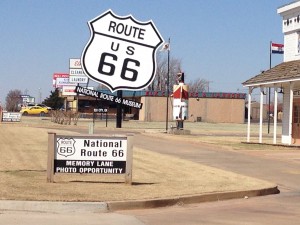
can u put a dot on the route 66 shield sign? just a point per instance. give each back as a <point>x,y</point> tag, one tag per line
<point>66,146</point>
<point>121,52</point>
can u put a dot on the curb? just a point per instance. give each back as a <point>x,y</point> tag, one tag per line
<point>104,207</point>
<point>53,207</point>
<point>144,204</point>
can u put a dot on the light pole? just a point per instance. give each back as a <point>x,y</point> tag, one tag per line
<point>40,96</point>
<point>168,87</point>
<point>208,82</point>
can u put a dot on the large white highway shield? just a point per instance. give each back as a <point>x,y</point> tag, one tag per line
<point>121,52</point>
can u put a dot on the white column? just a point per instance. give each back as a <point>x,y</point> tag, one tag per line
<point>291,112</point>
<point>261,114</point>
<point>275,116</point>
<point>249,113</point>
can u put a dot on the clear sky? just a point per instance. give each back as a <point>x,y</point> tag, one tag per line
<point>223,41</point>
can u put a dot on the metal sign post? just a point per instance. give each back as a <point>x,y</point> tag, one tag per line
<point>119,110</point>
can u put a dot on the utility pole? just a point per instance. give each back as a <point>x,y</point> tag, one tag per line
<point>168,86</point>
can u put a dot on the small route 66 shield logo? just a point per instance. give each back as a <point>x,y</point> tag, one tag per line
<point>65,146</point>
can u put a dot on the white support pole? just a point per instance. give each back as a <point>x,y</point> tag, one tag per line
<point>261,114</point>
<point>249,113</point>
<point>275,116</point>
<point>291,112</point>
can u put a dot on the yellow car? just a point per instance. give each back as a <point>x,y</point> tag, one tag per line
<point>34,110</point>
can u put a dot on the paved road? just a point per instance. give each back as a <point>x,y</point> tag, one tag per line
<point>280,167</point>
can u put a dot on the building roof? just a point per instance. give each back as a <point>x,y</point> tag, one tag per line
<point>283,72</point>
<point>289,6</point>
<point>131,94</point>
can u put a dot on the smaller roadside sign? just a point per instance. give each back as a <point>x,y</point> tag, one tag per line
<point>60,82</point>
<point>101,110</point>
<point>75,64</point>
<point>11,117</point>
<point>59,76</point>
<point>107,97</point>
<point>78,79</point>
<point>70,90</point>
<point>77,72</point>
<point>77,75</point>
<point>28,100</point>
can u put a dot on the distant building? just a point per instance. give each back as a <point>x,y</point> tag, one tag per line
<point>215,107</point>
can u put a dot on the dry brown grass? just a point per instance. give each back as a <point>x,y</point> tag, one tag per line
<point>23,151</point>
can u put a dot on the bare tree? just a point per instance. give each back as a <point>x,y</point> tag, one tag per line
<point>13,99</point>
<point>160,81</point>
<point>101,86</point>
<point>198,85</point>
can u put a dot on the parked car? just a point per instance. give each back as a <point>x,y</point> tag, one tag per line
<point>28,105</point>
<point>43,105</point>
<point>33,104</point>
<point>34,110</point>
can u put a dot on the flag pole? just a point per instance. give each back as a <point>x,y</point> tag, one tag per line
<point>270,89</point>
<point>168,89</point>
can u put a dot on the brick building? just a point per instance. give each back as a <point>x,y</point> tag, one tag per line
<point>215,107</point>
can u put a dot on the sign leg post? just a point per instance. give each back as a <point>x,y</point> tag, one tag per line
<point>50,163</point>
<point>128,173</point>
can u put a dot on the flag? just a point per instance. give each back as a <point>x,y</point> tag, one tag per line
<point>165,47</point>
<point>277,48</point>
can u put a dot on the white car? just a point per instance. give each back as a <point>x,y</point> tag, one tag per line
<point>43,105</point>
